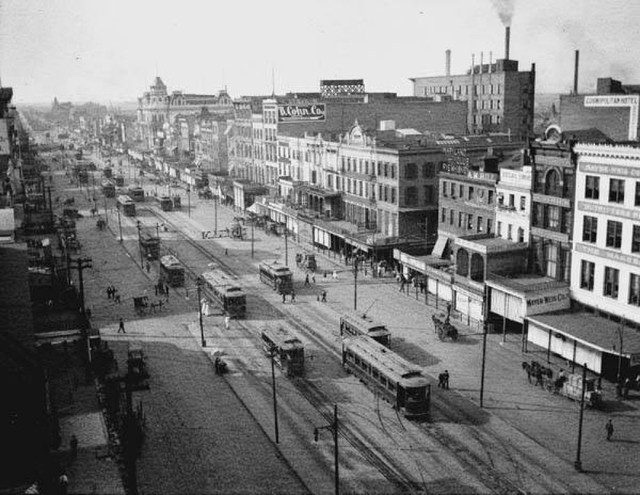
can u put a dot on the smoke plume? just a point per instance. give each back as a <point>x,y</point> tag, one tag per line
<point>505,10</point>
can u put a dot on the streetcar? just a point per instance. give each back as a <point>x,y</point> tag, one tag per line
<point>165,203</point>
<point>108,189</point>
<point>136,193</point>
<point>119,180</point>
<point>221,289</point>
<point>277,276</point>
<point>394,378</point>
<point>126,205</point>
<point>149,246</point>
<point>352,324</point>
<point>286,349</point>
<point>107,172</point>
<point>171,271</point>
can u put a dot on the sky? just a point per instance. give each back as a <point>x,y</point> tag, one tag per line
<point>110,51</point>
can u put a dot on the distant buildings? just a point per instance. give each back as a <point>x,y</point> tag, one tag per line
<point>499,97</point>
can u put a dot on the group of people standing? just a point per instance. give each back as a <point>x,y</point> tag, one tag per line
<point>112,293</point>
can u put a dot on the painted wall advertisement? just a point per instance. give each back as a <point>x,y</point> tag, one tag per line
<point>302,113</point>
<point>547,301</point>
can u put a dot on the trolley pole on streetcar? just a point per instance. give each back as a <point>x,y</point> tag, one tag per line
<point>273,387</point>
<point>199,286</point>
<point>578,463</point>
<point>334,429</point>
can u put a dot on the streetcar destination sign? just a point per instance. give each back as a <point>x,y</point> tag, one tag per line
<point>302,113</point>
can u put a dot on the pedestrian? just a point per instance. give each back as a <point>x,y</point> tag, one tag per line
<point>293,296</point>
<point>226,252</point>
<point>609,428</point>
<point>121,327</point>
<point>156,289</point>
<point>335,275</point>
<point>313,278</point>
<point>402,286</point>
<point>117,296</point>
<point>446,379</point>
<point>227,321</point>
<point>626,386</point>
<point>63,483</point>
<point>148,267</point>
<point>109,292</point>
<point>324,296</point>
<point>166,291</point>
<point>284,298</point>
<point>73,443</point>
<point>306,280</point>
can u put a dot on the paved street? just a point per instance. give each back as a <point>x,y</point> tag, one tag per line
<point>532,420</point>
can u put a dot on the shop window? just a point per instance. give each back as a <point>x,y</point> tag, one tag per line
<point>616,191</point>
<point>614,234</point>
<point>589,229</point>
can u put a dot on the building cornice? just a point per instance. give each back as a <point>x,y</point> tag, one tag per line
<point>608,151</point>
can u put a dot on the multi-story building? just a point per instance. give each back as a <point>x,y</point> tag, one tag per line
<point>605,272</point>
<point>513,205</point>
<point>157,107</point>
<point>499,97</point>
<point>614,109</point>
<point>553,182</point>
<point>210,143</point>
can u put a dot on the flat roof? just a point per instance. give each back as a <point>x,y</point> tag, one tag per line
<point>592,330</point>
<point>524,282</point>
<point>491,244</point>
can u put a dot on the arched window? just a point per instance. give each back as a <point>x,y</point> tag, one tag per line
<point>462,262</point>
<point>552,182</point>
<point>477,267</point>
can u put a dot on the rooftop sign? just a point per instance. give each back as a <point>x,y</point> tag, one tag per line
<point>302,113</point>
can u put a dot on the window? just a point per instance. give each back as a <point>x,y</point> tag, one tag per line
<point>489,225</point>
<point>393,195</point>
<point>412,196</point>
<point>611,277</point>
<point>634,289</point>
<point>635,239</point>
<point>512,201</point>
<point>587,275</point>
<point>470,192</point>
<point>445,185</point>
<point>553,217</point>
<point>480,224</point>
<point>460,219</point>
<point>461,191</point>
<point>444,215</point>
<point>520,234</point>
<point>490,198</point>
<point>393,170</point>
<point>637,202</point>
<point>589,229</point>
<point>614,234</point>
<point>428,194</point>
<point>523,202</point>
<point>616,191</point>
<point>469,222</point>
<point>510,232</point>
<point>410,171</point>
<point>451,215</point>
<point>428,170</point>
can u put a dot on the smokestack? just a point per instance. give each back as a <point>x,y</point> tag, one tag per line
<point>575,73</point>
<point>447,66</point>
<point>507,40</point>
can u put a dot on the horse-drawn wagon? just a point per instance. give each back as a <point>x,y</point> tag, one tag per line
<point>444,328</point>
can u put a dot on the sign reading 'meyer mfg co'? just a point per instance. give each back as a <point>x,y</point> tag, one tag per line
<point>301,113</point>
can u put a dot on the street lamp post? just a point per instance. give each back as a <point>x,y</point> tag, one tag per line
<point>578,462</point>
<point>334,429</point>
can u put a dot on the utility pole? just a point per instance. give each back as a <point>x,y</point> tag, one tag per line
<point>252,239</point>
<point>484,355</point>
<point>81,264</point>
<point>355,283</point>
<point>578,463</point>
<point>199,286</point>
<point>215,216</point>
<point>119,224</point>
<point>334,429</point>
<point>273,386</point>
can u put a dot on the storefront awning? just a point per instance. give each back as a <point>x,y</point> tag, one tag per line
<point>591,330</point>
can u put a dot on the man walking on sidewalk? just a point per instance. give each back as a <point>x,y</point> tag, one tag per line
<point>609,428</point>
<point>121,327</point>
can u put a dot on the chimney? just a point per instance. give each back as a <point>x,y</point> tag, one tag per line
<point>447,66</point>
<point>507,36</point>
<point>575,73</point>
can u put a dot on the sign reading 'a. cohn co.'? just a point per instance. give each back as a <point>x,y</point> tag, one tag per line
<point>301,113</point>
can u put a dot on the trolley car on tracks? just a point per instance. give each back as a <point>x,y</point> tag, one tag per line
<point>353,324</point>
<point>171,271</point>
<point>277,276</point>
<point>286,349</point>
<point>137,194</point>
<point>126,205</point>
<point>149,246</point>
<point>394,378</point>
<point>221,289</point>
<point>108,189</point>
<point>165,202</point>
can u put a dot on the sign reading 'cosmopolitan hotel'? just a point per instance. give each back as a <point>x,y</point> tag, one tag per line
<point>301,113</point>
